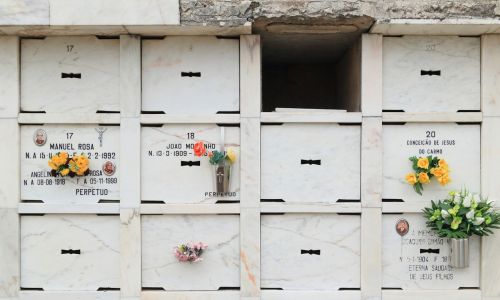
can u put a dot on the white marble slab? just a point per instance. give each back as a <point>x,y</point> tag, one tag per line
<point>459,145</point>
<point>24,12</point>
<point>283,176</point>
<point>458,86</point>
<point>36,182</point>
<point>9,76</point>
<point>44,266</point>
<point>43,62</point>
<point>283,237</point>
<point>9,253</point>
<point>220,266</point>
<point>165,89</point>
<point>403,266</point>
<point>114,12</point>
<point>164,148</point>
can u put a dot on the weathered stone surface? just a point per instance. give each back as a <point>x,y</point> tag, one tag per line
<point>234,12</point>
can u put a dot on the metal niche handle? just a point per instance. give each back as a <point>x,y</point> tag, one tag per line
<point>71,75</point>
<point>310,162</point>
<point>190,74</point>
<point>310,252</point>
<point>430,73</point>
<point>189,163</point>
<point>70,251</point>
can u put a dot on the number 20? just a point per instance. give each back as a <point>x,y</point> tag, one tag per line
<point>430,134</point>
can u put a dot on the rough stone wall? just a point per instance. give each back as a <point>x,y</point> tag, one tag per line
<point>235,12</point>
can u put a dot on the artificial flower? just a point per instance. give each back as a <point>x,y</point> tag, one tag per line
<point>231,155</point>
<point>423,178</point>
<point>199,149</point>
<point>411,178</point>
<point>444,180</point>
<point>423,163</point>
<point>456,222</point>
<point>478,221</point>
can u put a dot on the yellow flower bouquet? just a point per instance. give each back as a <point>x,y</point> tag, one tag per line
<point>64,165</point>
<point>425,168</point>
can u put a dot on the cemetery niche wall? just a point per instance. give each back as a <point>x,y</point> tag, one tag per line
<point>317,201</point>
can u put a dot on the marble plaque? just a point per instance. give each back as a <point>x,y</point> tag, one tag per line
<point>310,251</point>
<point>100,143</point>
<point>220,266</point>
<point>190,75</point>
<point>420,259</point>
<point>431,74</point>
<point>459,145</point>
<point>310,162</point>
<point>70,252</point>
<point>70,74</point>
<point>173,174</point>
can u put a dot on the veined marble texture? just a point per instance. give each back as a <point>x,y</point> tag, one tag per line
<point>165,179</point>
<point>114,12</point>
<point>401,257</point>
<point>215,89</point>
<point>283,176</point>
<point>44,266</point>
<point>458,86</point>
<point>283,237</point>
<point>43,62</point>
<point>24,12</point>
<point>460,146</point>
<point>220,266</point>
<point>36,182</point>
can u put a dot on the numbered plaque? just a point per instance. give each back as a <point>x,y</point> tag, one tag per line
<point>70,75</point>
<point>310,162</point>
<point>70,252</point>
<point>431,74</point>
<point>310,252</point>
<point>173,174</point>
<point>190,75</point>
<point>220,267</point>
<point>100,143</point>
<point>420,259</point>
<point>459,145</point>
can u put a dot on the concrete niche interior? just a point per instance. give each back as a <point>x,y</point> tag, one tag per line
<point>311,65</point>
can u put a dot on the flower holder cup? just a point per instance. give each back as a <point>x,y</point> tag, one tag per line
<point>222,177</point>
<point>458,217</point>
<point>459,252</point>
<point>221,162</point>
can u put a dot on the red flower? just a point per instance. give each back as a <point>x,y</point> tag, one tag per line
<point>199,149</point>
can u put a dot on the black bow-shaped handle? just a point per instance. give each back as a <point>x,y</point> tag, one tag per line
<point>310,252</point>
<point>189,163</point>
<point>71,75</point>
<point>190,74</point>
<point>430,72</point>
<point>310,162</point>
<point>70,251</point>
<point>435,251</point>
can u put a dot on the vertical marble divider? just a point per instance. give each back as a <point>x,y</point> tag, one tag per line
<point>490,75</point>
<point>9,76</point>
<point>371,162</point>
<point>9,160</point>
<point>130,177</point>
<point>250,76</point>
<point>250,107</point>
<point>371,75</point>
<point>130,75</point>
<point>490,161</point>
<point>371,253</point>
<point>9,253</point>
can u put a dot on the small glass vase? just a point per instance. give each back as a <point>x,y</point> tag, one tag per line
<point>222,176</point>
<point>459,252</point>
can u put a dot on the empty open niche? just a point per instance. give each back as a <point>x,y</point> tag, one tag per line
<point>311,65</point>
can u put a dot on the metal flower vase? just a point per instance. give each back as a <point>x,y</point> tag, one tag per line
<point>222,177</point>
<point>459,252</point>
